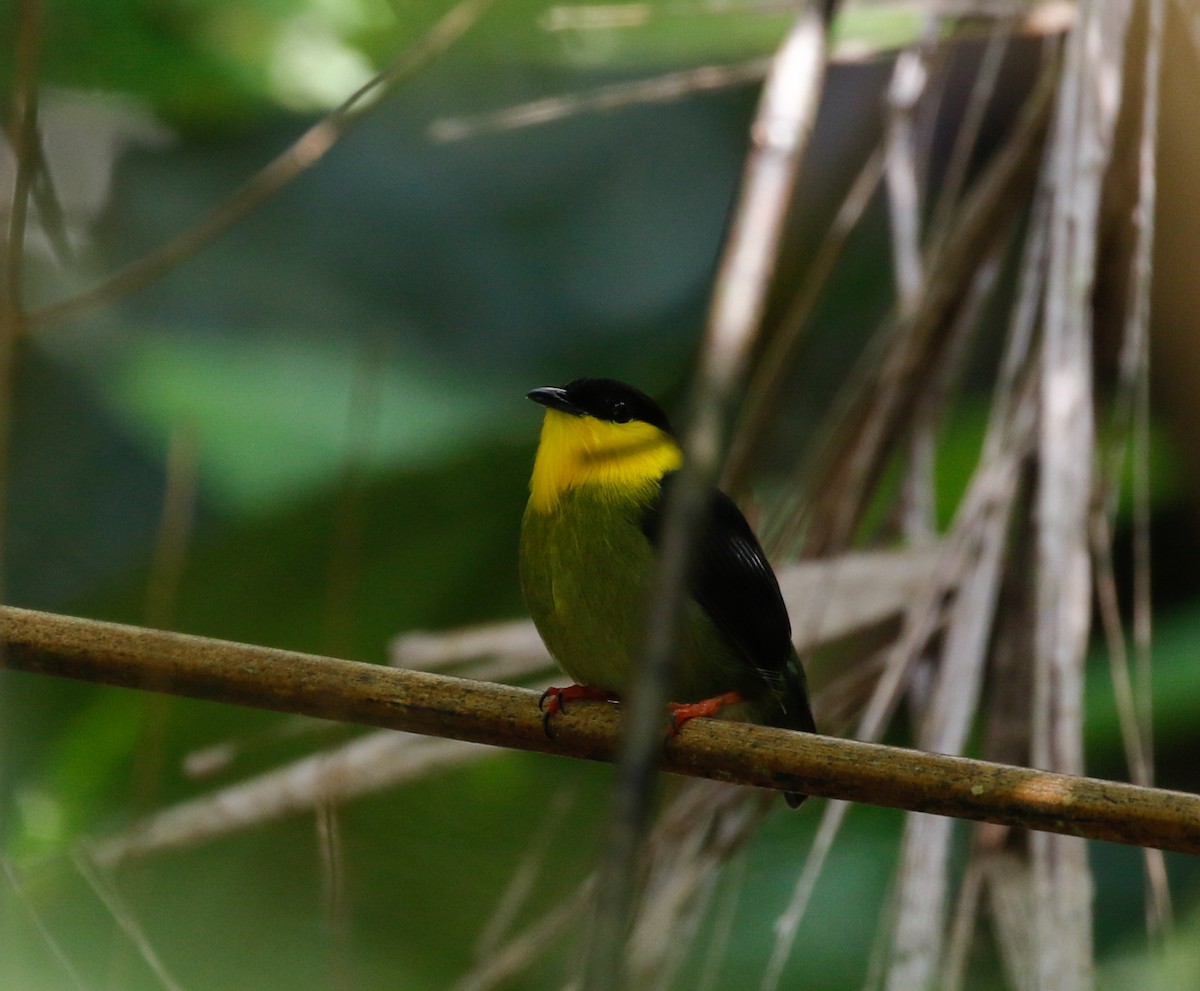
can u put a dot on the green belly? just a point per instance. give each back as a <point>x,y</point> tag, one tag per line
<point>585,573</point>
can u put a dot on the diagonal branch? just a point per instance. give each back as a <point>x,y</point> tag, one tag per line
<point>480,712</point>
<point>779,135</point>
<point>302,155</point>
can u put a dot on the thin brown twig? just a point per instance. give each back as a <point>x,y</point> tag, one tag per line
<point>1132,421</point>
<point>13,318</point>
<point>346,540</point>
<point>23,131</point>
<point>44,194</point>
<point>302,155</point>
<point>871,420</point>
<point>779,136</point>
<point>739,753</point>
<point>1042,21</point>
<point>771,370</point>
<point>167,565</point>
<point>1159,912</point>
<point>34,912</point>
<point>108,895</point>
<point>665,88</point>
<point>982,89</point>
<point>52,217</point>
<point>1109,610</point>
<point>174,526</point>
<point>1135,358</point>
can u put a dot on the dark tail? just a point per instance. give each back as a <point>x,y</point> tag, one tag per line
<point>797,712</point>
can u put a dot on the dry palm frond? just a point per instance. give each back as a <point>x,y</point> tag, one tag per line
<point>694,837</point>
<point>991,619</point>
<point>368,764</point>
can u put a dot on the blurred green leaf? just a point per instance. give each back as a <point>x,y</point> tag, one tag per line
<point>280,417</point>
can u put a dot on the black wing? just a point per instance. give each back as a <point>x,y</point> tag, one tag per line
<point>733,582</point>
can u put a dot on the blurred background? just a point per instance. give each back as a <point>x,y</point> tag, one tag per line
<point>311,434</point>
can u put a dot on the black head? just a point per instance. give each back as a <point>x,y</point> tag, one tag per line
<point>605,399</point>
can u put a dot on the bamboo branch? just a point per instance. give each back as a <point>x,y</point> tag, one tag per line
<point>740,753</point>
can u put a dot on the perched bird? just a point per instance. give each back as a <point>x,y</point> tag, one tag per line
<point>588,545</point>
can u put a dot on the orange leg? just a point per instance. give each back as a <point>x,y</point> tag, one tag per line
<point>554,700</point>
<point>683,712</point>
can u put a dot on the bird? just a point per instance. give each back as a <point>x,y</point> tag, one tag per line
<point>605,461</point>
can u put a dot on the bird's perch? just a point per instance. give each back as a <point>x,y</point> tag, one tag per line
<point>373,695</point>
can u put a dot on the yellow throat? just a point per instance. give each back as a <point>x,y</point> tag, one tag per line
<point>625,458</point>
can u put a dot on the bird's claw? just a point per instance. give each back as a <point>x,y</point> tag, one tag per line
<point>683,713</point>
<point>551,703</point>
<point>554,701</point>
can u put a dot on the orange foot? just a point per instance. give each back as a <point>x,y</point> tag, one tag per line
<point>682,712</point>
<point>554,700</point>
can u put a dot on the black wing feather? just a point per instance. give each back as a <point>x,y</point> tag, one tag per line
<point>734,583</point>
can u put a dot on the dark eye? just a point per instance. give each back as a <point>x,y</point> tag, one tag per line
<point>618,412</point>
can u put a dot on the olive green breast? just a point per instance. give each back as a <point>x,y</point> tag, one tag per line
<point>586,568</point>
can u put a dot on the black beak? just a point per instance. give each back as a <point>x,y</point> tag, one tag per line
<point>553,397</point>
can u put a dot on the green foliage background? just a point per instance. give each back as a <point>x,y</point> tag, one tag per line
<point>350,364</point>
